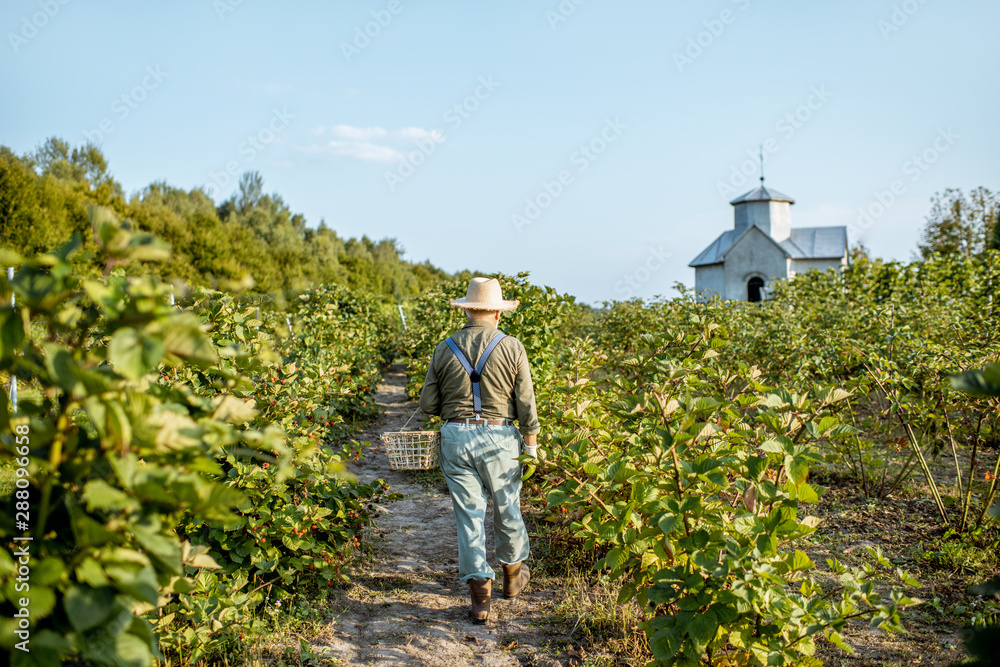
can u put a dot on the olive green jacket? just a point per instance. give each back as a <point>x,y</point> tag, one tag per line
<point>505,387</point>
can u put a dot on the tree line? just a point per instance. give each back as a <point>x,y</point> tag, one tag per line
<point>961,223</point>
<point>44,198</point>
<point>250,238</point>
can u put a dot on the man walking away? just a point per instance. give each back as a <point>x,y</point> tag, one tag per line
<point>479,384</point>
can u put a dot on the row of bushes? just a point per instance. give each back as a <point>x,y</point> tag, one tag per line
<point>185,463</point>
<point>680,435</point>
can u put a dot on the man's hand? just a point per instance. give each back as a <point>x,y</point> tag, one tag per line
<point>530,449</point>
<point>531,445</point>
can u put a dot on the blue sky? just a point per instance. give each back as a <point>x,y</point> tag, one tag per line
<point>594,144</point>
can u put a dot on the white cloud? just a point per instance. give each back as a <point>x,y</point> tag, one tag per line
<point>370,144</point>
<point>365,150</point>
<point>357,133</point>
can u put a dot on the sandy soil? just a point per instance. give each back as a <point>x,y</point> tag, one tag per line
<point>407,606</point>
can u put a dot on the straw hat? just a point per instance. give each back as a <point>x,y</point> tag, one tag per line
<point>484,294</point>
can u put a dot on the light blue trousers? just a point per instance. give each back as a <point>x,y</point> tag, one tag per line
<point>480,462</point>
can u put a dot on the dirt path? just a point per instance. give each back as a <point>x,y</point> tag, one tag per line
<point>407,606</point>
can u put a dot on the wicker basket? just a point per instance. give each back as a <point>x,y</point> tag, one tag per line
<point>412,450</point>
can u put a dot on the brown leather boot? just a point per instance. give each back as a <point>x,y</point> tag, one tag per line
<point>515,578</point>
<point>480,590</point>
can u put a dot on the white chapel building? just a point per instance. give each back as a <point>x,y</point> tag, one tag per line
<point>763,246</point>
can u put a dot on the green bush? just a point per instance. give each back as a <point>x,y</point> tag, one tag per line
<point>184,463</point>
<point>689,473</point>
<point>114,462</point>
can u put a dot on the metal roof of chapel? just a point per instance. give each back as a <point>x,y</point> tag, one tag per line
<point>762,193</point>
<point>804,243</point>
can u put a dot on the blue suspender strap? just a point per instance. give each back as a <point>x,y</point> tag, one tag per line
<point>477,405</point>
<point>474,373</point>
<point>462,359</point>
<point>461,356</point>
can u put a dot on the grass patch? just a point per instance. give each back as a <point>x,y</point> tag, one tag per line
<point>592,610</point>
<point>290,626</point>
<point>370,588</point>
<point>555,552</point>
<point>976,553</point>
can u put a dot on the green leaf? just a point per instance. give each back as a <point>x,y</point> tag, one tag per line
<point>989,588</point>
<point>11,332</point>
<point>772,447</point>
<point>556,498</point>
<point>616,558</point>
<point>48,648</point>
<point>139,583</point>
<point>232,410</point>
<point>807,494</point>
<point>217,501</point>
<point>668,523</point>
<point>796,469</point>
<point>117,427</point>
<point>62,367</point>
<point>7,564</point>
<point>665,643</point>
<point>198,556</point>
<point>89,572</point>
<point>838,641</point>
<point>985,382</point>
<point>133,355</point>
<point>49,571</point>
<point>702,627</point>
<point>184,338</point>
<point>41,601</point>
<point>767,544</point>
<point>799,561</point>
<point>626,592</point>
<point>725,613</point>
<point>103,295</point>
<point>86,531</point>
<point>700,539</point>
<point>88,607</point>
<point>144,247</point>
<point>100,495</point>
<point>160,547</point>
<point>132,651</point>
<point>826,424</point>
<point>609,530</point>
<point>834,395</point>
